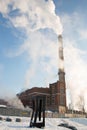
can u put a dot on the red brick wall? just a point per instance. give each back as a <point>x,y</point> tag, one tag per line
<point>53,95</point>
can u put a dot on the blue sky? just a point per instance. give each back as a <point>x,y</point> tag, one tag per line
<point>28,45</point>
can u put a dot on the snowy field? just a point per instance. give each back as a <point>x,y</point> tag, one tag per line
<point>51,123</point>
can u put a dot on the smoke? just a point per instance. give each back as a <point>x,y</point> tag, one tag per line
<point>41,50</point>
<point>31,15</point>
<point>34,18</point>
<point>75,60</point>
<point>15,102</point>
<point>75,73</point>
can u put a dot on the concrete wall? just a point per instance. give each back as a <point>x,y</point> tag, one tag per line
<point>66,115</point>
<point>13,112</point>
<point>75,115</point>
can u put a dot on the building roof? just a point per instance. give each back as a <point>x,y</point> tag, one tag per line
<point>35,90</point>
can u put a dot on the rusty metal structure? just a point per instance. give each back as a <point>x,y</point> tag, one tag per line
<point>38,112</point>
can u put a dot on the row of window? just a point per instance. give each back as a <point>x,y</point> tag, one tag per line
<point>62,89</point>
<point>53,101</point>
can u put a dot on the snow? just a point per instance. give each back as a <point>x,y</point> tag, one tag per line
<point>51,123</point>
<point>3,106</point>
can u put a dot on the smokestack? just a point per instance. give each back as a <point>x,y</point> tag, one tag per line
<point>61,59</point>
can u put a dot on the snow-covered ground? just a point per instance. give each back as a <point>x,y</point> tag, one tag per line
<point>51,123</point>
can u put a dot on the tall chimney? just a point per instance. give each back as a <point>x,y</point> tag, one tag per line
<point>62,85</point>
<point>61,59</point>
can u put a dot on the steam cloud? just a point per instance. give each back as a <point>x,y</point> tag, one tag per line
<point>15,102</point>
<point>31,15</point>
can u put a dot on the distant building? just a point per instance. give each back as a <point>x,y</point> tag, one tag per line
<point>3,102</point>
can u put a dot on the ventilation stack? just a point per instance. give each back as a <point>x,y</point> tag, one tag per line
<point>62,85</point>
<point>61,60</point>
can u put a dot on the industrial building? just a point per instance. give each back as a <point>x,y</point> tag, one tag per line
<point>55,93</point>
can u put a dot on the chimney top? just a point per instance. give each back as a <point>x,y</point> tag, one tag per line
<point>60,36</point>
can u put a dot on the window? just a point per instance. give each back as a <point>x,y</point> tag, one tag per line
<point>53,99</point>
<point>62,100</point>
<point>62,90</point>
<point>48,100</point>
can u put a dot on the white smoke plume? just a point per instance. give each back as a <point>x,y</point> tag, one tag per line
<point>75,72</point>
<point>15,102</point>
<point>75,57</point>
<point>31,15</point>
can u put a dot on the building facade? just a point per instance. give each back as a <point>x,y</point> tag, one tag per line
<point>55,96</point>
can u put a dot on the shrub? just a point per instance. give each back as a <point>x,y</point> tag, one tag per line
<point>18,120</point>
<point>8,119</point>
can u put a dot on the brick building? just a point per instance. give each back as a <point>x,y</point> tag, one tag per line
<point>55,96</point>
